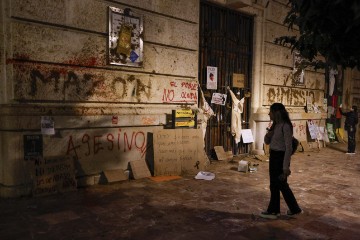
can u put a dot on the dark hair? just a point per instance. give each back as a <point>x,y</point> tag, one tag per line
<point>280,114</point>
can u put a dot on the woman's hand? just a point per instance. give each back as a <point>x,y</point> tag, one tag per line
<point>286,172</point>
<point>284,175</point>
<point>268,136</point>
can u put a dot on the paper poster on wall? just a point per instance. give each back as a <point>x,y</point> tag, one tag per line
<point>298,72</point>
<point>219,98</point>
<point>47,125</point>
<point>211,77</point>
<point>326,137</point>
<point>309,104</point>
<point>321,133</point>
<point>325,104</point>
<point>330,131</point>
<point>247,136</point>
<point>33,146</point>
<point>313,129</point>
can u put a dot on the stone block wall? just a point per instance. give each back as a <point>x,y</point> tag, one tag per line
<point>276,82</point>
<point>54,62</point>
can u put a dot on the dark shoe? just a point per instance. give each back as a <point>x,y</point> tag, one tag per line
<point>269,215</point>
<point>290,213</point>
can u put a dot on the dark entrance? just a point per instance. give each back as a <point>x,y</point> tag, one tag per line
<point>226,42</point>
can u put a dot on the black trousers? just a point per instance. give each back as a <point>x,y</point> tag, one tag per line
<point>277,185</point>
<point>351,139</point>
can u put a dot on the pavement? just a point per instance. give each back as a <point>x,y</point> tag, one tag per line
<point>325,182</point>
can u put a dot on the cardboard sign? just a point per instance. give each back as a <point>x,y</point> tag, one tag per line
<point>115,175</point>
<point>221,154</point>
<point>238,80</point>
<point>139,169</point>
<point>305,146</point>
<point>52,175</point>
<point>178,151</point>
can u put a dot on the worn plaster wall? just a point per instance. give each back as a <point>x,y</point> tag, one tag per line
<point>54,63</point>
<point>273,65</point>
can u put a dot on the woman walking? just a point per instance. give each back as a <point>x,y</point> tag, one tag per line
<point>279,136</point>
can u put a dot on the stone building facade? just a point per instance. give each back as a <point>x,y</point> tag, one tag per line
<point>54,63</point>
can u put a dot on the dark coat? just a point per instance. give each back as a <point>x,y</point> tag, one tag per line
<point>351,119</point>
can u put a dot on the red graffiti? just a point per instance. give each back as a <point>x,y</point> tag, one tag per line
<point>192,86</point>
<point>168,95</point>
<point>97,143</point>
<point>187,95</point>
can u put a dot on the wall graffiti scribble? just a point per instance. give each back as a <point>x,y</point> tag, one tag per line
<point>180,92</point>
<point>81,84</point>
<point>36,75</point>
<point>291,96</point>
<point>86,145</point>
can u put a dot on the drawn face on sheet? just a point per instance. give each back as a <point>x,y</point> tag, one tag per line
<point>211,76</point>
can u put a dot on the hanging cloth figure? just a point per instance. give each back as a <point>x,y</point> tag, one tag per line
<point>236,110</point>
<point>332,74</point>
<point>206,111</point>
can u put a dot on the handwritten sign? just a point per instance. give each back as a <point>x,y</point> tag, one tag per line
<point>247,136</point>
<point>178,151</point>
<point>219,98</point>
<point>52,175</point>
<point>313,129</point>
<point>238,80</point>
